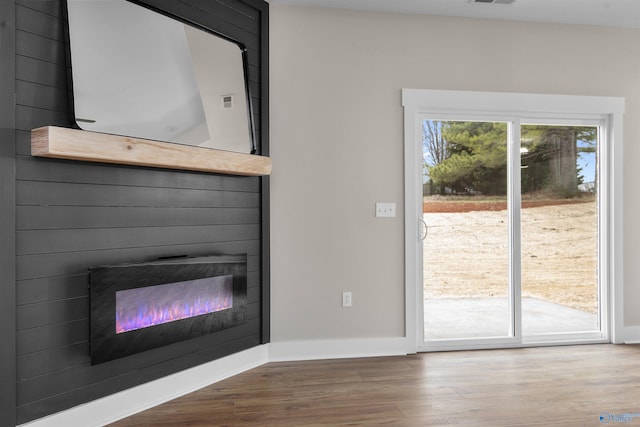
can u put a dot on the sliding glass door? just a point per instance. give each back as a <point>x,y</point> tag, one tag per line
<point>511,242</point>
<point>466,249</point>
<point>559,230</point>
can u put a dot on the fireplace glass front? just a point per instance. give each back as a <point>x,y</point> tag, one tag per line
<point>137,307</point>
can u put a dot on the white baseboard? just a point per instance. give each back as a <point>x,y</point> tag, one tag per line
<point>336,349</point>
<point>128,402</point>
<point>632,335</point>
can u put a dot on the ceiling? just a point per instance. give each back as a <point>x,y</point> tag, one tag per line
<point>613,13</point>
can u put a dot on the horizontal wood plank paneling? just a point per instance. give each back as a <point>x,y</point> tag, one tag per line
<point>28,117</point>
<point>113,384</point>
<point>254,292</point>
<point>36,22</point>
<point>50,313</point>
<point>79,240</point>
<point>80,194</point>
<point>72,263</point>
<point>63,217</point>
<point>52,336</point>
<point>51,289</point>
<point>51,360</point>
<point>47,7</point>
<point>40,48</point>
<point>84,374</point>
<point>41,72</point>
<point>35,169</point>
<point>41,96</point>
<point>75,215</point>
<point>7,215</point>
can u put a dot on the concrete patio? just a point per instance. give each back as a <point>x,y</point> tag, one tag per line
<point>489,317</point>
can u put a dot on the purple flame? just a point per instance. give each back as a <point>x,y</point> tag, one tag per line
<point>153,305</point>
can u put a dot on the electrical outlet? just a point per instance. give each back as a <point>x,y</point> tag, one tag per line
<point>385,210</point>
<point>346,299</point>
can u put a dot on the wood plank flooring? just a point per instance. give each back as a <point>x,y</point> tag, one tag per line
<point>545,386</point>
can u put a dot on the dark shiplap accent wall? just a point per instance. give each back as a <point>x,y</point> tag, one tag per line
<point>73,215</point>
<point>7,215</point>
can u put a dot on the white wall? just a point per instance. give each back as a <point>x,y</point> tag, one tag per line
<point>337,141</point>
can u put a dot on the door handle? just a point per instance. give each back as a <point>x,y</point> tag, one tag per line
<point>424,229</point>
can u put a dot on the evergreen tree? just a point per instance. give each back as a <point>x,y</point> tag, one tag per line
<point>471,157</point>
<point>478,158</point>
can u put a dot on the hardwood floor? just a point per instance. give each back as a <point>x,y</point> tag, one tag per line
<point>546,386</point>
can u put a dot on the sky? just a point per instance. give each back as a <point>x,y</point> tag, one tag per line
<point>587,161</point>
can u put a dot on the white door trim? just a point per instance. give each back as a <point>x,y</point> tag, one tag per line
<point>437,102</point>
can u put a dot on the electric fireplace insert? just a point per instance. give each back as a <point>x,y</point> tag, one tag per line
<point>137,307</point>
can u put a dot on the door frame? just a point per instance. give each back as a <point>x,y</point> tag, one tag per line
<point>418,102</point>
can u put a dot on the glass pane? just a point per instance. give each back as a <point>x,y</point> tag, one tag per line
<point>559,229</point>
<point>466,287</point>
<point>147,306</point>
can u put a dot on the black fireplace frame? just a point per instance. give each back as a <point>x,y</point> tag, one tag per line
<point>105,281</point>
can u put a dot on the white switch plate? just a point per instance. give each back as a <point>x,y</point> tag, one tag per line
<point>346,299</point>
<point>385,210</point>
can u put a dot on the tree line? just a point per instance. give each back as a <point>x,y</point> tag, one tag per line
<point>471,157</point>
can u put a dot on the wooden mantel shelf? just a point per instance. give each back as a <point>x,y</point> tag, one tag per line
<point>73,144</point>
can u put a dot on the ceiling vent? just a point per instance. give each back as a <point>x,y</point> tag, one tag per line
<point>492,1</point>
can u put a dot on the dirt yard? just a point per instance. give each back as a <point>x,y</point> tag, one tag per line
<point>467,245</point>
